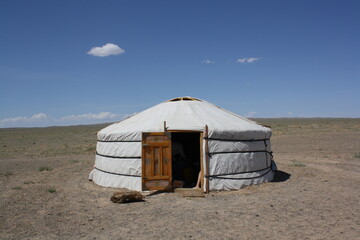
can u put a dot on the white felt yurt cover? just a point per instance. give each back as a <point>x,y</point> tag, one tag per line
<point>239,150</point>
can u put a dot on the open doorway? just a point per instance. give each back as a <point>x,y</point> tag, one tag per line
<point>185,158</point>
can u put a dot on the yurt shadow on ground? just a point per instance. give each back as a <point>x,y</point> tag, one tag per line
<point>180,143</point>
<point>281,176</point>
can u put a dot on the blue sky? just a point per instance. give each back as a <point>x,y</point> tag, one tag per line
<point>255,58</point>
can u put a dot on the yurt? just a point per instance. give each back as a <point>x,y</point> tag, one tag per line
<point>183,142</point>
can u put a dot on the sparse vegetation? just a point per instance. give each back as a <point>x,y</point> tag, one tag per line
<point>45,168</point>
<point>29,182</point>
<point>291,126</point>
<point>6,174</point>
<point>326,146</point>
<point>49,141</point>
<point>51,190</point>
<point>298,164</point>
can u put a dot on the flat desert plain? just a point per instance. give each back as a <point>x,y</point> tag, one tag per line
<point>45,192</point>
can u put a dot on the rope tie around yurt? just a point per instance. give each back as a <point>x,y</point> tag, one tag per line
<point>120,174</point>
<point>221,176</point>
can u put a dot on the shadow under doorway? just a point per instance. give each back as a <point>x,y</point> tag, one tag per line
<point>185,159</point>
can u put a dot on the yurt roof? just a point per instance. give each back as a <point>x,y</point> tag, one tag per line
<point>185,114</point>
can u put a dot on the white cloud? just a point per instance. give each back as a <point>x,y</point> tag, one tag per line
<point>38,116</point>
<point>208,61</point>
<point>90,116</point>
<point>12,120</point>
<point>250,114</point>
<point>247,60</point>
<point>43,120</point>
<point>106,50</point>
<point>33,118</point>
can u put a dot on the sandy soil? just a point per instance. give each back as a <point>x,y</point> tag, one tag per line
<point>316,195</point>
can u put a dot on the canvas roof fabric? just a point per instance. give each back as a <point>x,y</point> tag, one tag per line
<point>239,149</point>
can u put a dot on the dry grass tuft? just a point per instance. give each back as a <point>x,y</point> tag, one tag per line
<point>45,168</point>
<point>298,164</point>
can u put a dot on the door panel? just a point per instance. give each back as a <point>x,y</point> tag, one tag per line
<point>156,161</point>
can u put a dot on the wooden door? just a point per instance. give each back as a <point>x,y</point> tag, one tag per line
<point>156,161</point>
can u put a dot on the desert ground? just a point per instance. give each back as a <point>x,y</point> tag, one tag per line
<point>45,192</point>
